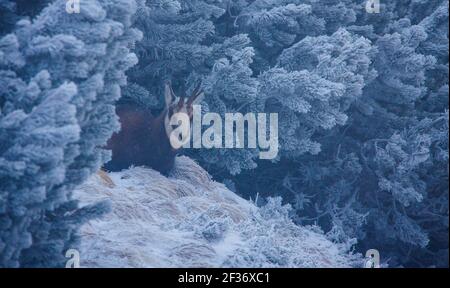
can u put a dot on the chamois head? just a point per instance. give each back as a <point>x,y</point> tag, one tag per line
<point>175,105</point>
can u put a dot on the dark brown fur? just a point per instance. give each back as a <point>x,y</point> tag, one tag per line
<point>142,141</point>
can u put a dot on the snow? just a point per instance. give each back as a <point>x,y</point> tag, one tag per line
<point>189,220</point>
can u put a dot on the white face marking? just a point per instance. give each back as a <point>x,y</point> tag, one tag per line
<point>174,108</point>
<point>185,108</point>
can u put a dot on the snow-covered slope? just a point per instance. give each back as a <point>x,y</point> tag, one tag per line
<point>188,220</point>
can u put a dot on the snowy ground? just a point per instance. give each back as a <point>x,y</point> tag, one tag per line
<point>188,220</point>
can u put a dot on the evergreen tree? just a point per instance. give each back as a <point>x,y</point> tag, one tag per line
<point>60,75</point>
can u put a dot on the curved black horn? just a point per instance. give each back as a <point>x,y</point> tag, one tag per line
<point>197,91</point>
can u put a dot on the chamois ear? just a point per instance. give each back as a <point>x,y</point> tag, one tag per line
<point>168,94</point>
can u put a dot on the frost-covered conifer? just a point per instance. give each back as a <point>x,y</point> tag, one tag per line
<point>60,75</point>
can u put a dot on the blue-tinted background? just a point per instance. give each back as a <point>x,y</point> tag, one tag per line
<point>362,101</point>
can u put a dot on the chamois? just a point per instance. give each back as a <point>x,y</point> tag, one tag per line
<point>143,139</point>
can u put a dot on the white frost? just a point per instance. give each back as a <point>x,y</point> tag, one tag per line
<point>189,220</point>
